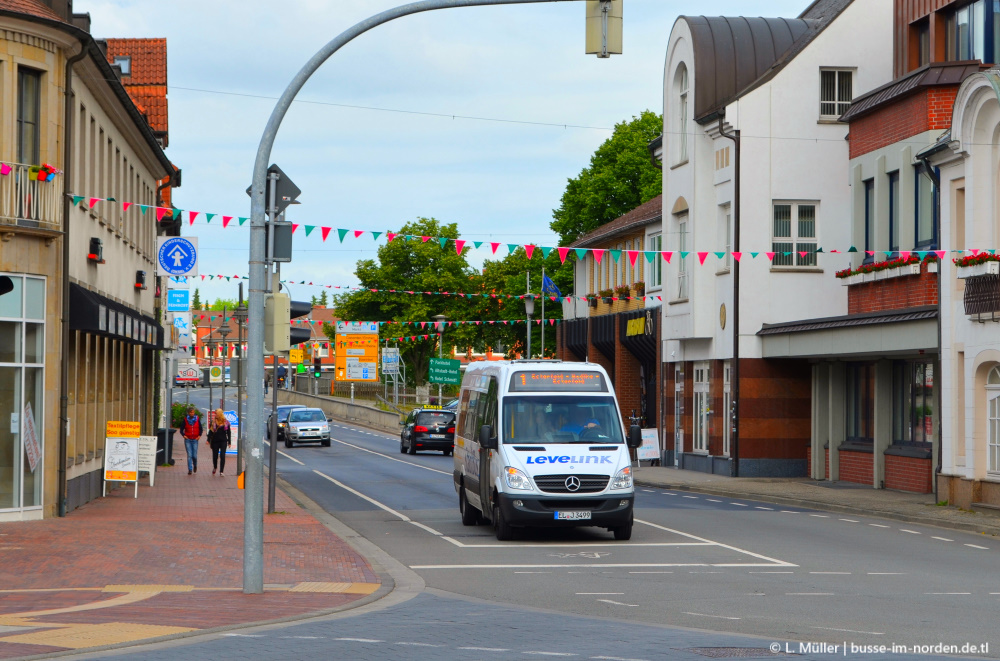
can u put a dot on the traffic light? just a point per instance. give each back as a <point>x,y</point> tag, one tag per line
<point>317,366</point>
<point>279,310</point>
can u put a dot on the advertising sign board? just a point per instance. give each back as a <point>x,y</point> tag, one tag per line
<point>147,456</point>
<point>177,255</point>
<point>234,429</point>
<point>31,447</point>
<point>390,360</point>
<point>178,300</point>
<point>650,448</point>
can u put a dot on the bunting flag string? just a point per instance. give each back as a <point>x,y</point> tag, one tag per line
<point>530,250</point>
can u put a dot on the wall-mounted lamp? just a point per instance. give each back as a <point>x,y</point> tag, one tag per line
<point>96,252</point>
<point>140,280</point>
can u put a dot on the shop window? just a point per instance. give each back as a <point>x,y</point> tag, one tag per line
<point>993,421</point>
<point>702,407</point>
<point>860,402</point>
<point>912,402</point>
<point>727,405</point>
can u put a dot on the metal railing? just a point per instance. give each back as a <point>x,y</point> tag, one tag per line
<point>26,202</point>
<point>982,297</point>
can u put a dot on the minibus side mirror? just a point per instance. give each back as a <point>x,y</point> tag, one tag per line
<point>487,440</point>
<point>635,436</point>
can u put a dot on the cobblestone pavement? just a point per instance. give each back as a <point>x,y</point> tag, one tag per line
<point>832,496</point>
<point>120,569</point>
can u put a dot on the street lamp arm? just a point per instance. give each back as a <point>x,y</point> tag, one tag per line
<point>253,571</point>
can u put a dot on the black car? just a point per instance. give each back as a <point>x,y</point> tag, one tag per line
<point>282,412</point>
<point>428,429</point>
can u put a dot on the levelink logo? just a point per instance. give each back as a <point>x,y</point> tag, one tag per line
<point>177,256</point>
<point>566,459</point>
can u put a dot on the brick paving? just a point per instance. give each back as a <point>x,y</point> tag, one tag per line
<point>174,555</point>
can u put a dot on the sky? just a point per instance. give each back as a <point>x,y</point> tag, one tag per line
<point>544,105</point>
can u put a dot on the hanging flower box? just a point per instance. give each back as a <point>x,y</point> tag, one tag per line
<point>855,279</point>
<point>991,267</point>
<point>910,269</point>
<point>932,267</point>
<point>882,275</point>
<point>868,277</point>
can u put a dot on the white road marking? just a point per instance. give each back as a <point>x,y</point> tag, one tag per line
<point>485,649</point>
<point>590,565</point>
<point>667,493</point>
<point>385,456</point>
<point>243,635</point>
<point>788,512</point>
<point>417,644</point>
<point>691,497</point>
<point>713,500</point>
<point>985,548</point>
<point>286,456</point>
<point>809,594</point>
<point>850,520</point>
<point>649,491</point>
<point>666,572</point>
<point>772,572</point>
<point>740,504</point>
<point>877,525</point>
<point>778,563</point>
<point>721,617</point>
<point>303,637</point>
<point>549,653</point>
<point>758,507</point>
<point>943,539</point>
<point>838,573</point>
<point>870,633</point>
<point>618,603</point>
<point>532,572</point>
<point>949,593</point>
<point>820,516</point>
<point>529,545</point>
<point>614,658</point>
<point>359,640</point>
<point>602,593</point>
<point>912,532</point>
<point>704,572</point>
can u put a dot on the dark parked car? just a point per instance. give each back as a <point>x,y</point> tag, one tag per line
<point>307,426</point>
<point>282,412</point>
<point>428,429</point>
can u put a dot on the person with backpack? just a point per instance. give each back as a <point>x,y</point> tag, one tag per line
<point>191,431</point>
<point>219,438</point>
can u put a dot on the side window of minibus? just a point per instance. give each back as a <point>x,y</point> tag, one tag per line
<point>463,415</point>
<point>488,407</point>
<point>470,429</point>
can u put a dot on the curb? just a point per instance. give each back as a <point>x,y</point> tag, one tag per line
<point>983,529</point>
<point>392,582</point>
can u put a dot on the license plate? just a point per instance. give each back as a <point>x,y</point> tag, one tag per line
<point>437,435</point>
<point>572,516</point>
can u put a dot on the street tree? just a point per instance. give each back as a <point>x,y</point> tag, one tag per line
<point>196,300</point>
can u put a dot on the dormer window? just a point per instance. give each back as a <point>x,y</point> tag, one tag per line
<point>124,63</point>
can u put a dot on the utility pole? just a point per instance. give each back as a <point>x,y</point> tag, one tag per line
<point>541,353</point>
<point>224,333</point>
<point>439,319</point>
<point>241,318</point>
<point>253,522</point>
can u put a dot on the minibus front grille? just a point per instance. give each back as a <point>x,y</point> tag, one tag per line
<point>557,483</point>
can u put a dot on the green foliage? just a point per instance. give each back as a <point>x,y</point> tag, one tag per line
<point>219,303</point>
<point>620,177</point>
<point>196,300</point>
<point>177,413</point>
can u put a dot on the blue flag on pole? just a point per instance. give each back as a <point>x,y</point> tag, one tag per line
<point>549,287</point>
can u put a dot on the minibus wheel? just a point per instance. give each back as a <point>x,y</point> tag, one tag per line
<point>470,515</point>
<point>503,529</point>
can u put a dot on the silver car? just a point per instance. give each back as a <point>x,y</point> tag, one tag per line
<point>307,426</point>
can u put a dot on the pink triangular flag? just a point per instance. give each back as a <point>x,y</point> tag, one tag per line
<point>770,256</point>
<point>388,235</point>
<point>425,239</point>
<point>126,205</point>
<point>529,249</point>
<point>160,213</point>
<point>494,246</point>
<point>191,217</point>
<point>701,257</point>
<point>5,169</point>
<point>226,220</point>
<point>803,253</point>
<point>95,200</point>
<point>562,254</point>
<point>358,233</point>
<point>939,253</point>
<point>737,256</point>
<point>632,256</point>
<point>325,231</point>
<point>974,251</point>
<point>295,226</point>
<point>598,253</point>
<point>870,252</point>
<point>459,244</point>
<point>904,254</point>
<point>667,254</point>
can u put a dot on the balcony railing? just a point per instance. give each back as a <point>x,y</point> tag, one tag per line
<point>982,297</point>
<point>29,203</point>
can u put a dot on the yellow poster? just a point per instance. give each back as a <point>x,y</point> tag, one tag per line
<point>122,429</point>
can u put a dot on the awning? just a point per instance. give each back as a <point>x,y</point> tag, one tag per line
<point>91,312</point>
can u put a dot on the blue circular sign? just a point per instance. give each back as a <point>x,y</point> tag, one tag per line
<point>177,256</point>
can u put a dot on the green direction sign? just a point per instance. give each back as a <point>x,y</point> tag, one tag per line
<point>445,370</point>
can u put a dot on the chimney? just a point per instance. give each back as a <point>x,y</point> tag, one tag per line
<point>81,21</point>
<point>62,8</point>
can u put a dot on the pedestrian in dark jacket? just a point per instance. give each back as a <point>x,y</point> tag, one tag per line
<point>219,438</point>
<point>191,431</point>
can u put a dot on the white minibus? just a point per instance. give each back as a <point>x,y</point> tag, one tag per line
<point>542,443</point>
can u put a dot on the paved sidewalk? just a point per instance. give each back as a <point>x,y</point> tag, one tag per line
<point>121,570</point>
<point>832,496</point>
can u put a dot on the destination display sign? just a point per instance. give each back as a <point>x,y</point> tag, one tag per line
<point>558,382</point>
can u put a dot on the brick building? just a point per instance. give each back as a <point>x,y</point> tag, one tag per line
<point>618,326</point>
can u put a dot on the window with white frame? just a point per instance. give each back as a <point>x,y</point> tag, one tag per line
<point>726,237</point>
<point>681,113</point>
<point>993,421</point>
<point>727,405</point>
<point>682,246</point>
<point>794,234</point>
<point>702,407</point>
<point>654,277</point>
<point>836,89</point>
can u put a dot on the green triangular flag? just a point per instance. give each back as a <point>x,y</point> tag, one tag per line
<point>511,247</point>
<point>210,216</point>
<point>819,250</point>
<point>616,255</point>
<point>852,249</point>
<point>787,253</point>
<point>720,255</point>
<point>650,255</point>
<point>110,199</point>
<point>545,252</point>
<point>77,199</point>
<point>477,243</point>
<point>754,255</point>
<point>243,220</point>
<point>177,213</point>
<point>342,234</point>
<point>376,235</point>
<point>684,254</point>
<point>580,252</point>
<point>309,229</point>
<point>443,240</point>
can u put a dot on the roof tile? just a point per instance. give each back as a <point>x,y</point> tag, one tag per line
<point>30,7</point>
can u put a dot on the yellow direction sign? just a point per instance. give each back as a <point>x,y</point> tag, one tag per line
<point>296,356</point>
<point>356,346</point>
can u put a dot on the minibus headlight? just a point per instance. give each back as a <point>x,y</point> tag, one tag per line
<point>517,479</point>
<point>623,479</point>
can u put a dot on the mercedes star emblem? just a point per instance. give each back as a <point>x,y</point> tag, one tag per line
<point>572,483</point>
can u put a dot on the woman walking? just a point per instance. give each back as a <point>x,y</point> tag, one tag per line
<point>219,438</point>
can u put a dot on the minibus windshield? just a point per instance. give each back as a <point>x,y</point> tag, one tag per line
<point>561,419</point>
